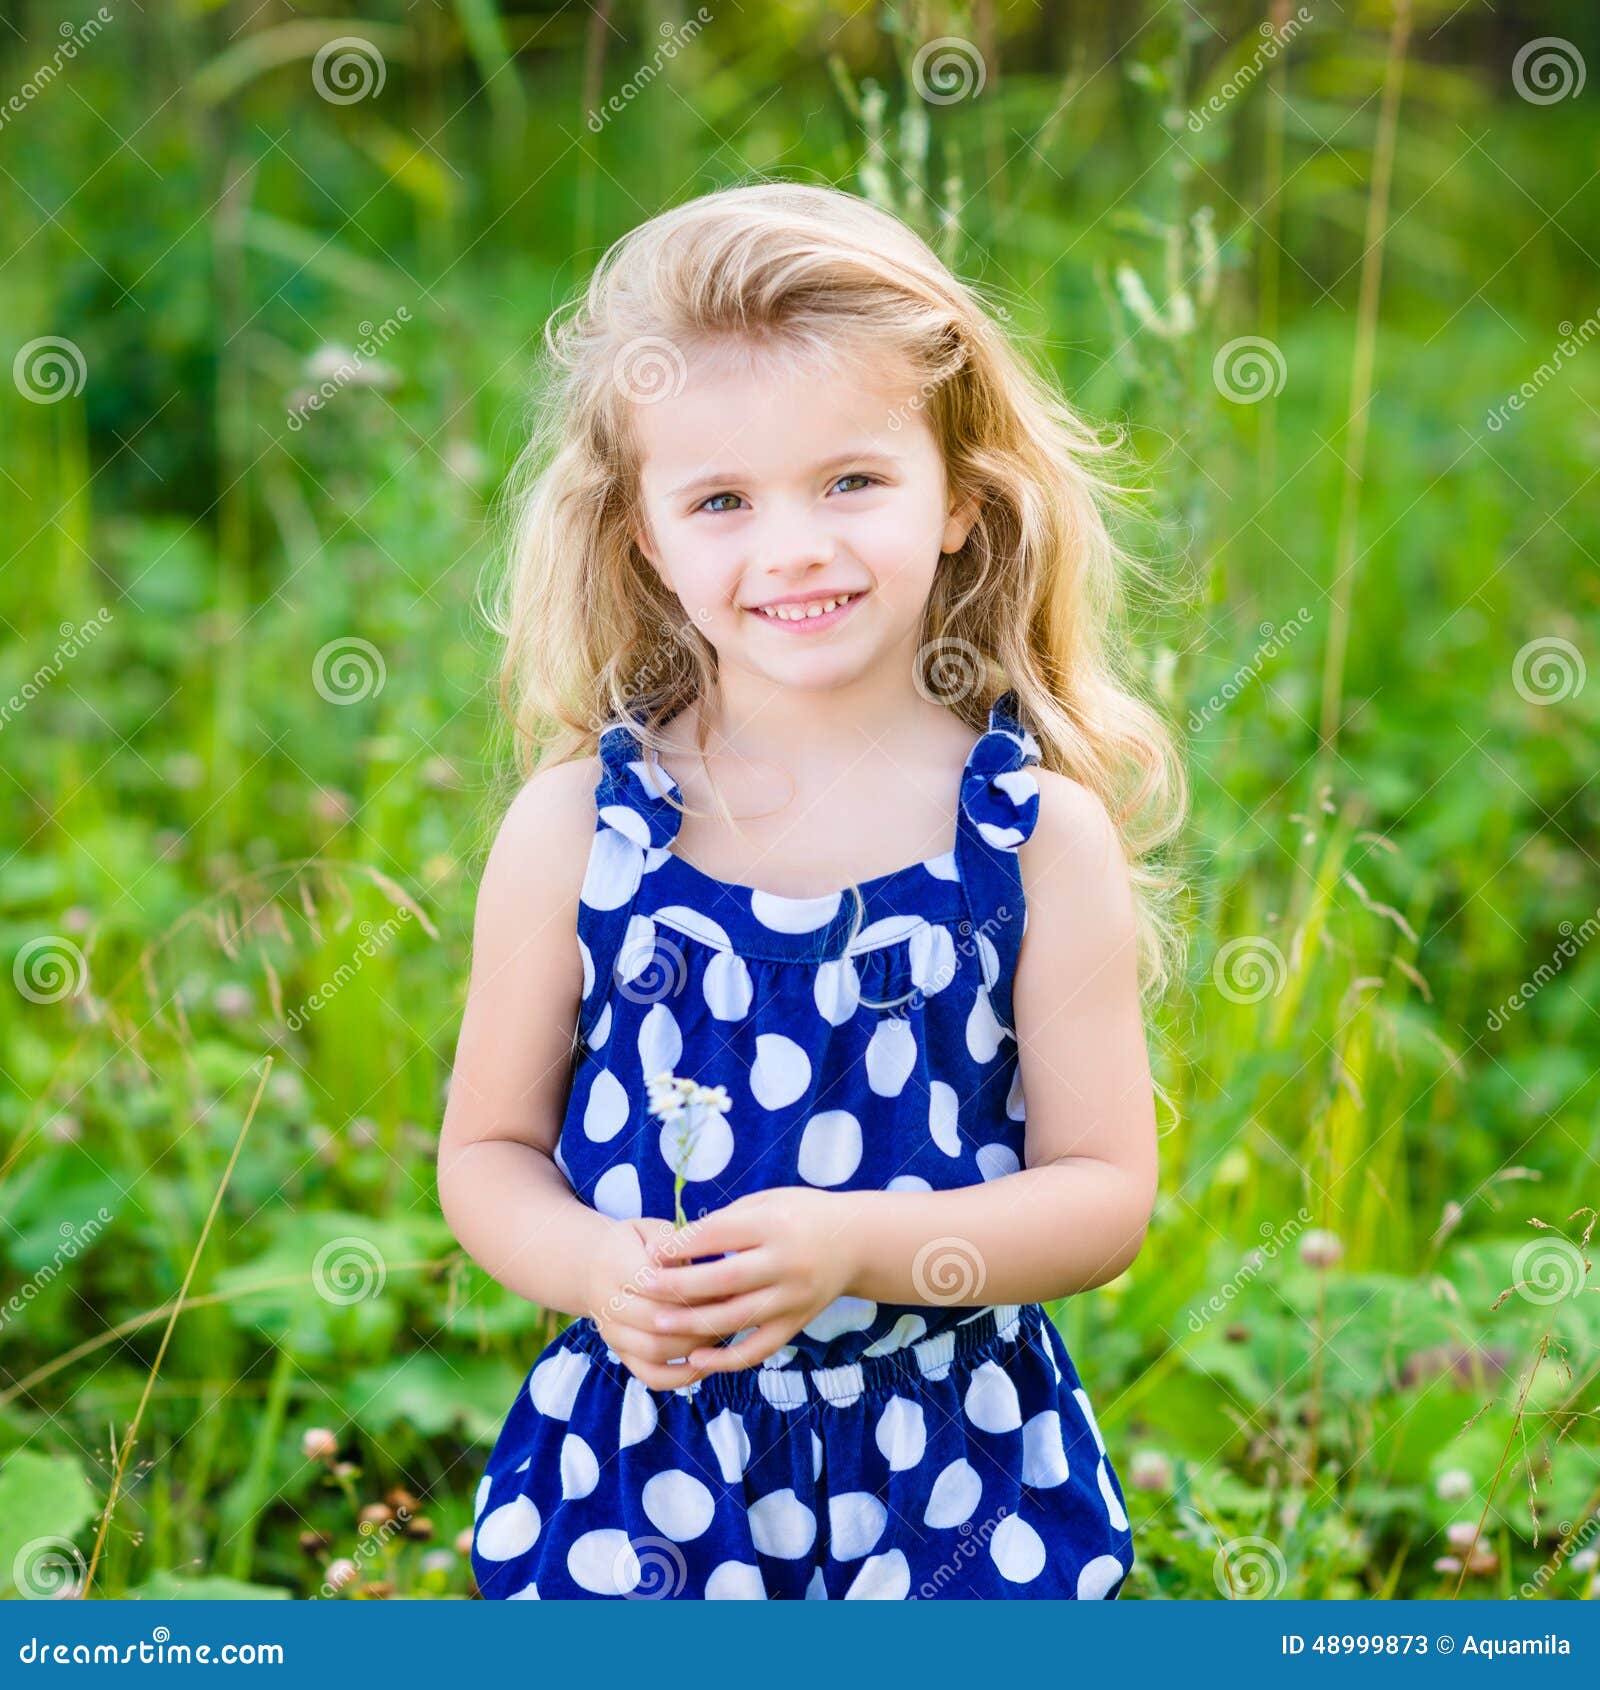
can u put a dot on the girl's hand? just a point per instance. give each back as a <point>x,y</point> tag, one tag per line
<point>793,1256</point>
<point>625,1315</point>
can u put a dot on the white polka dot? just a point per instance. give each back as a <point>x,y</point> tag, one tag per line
<point>1016,1107</point>
<point>604,1562</point>
<point>482,1496</point>
<point>782,1526</point>
<point>554,1382</point>
<point>606,1112</point>
<point>901,1433</point>
<point>906,1330</point>
<point>613,872</point>
<point>1088,1414</point>
<point>731,1444</point>
<point>528,1593</point>
<point>943,1110</point>
<point>954,1495</point>
<point>891,1055</point>
<point>727,987</point>
<point>908,1182</point>
<point>637,950</point>
<point>1098,1577</point>
<point>816,1458</point>
<point>856,1519</point>
<point>943,867</point>
<point>628,822</point>
<point>794,915</point>
<point>677,1504</point>
<point>580,1472</point>
<point>830,1148</point>
<point>699,1144</point>
<point>735,1581</point>
<point>995,1161</point>
<point>843,1314</point>
<point>988,960</point>
<point>616,1192</point>
<point>1017,1550</point>
<point>602,1029</point>
<point>836,987</point>
<point>1044,1459</point>
<point>780,1073</point>
<point>991,1400</point>
<point>638,1414</point>
<point>1114,1510</point>
<point>817,1590</point>
<point>883,1578</point>
<point>932,955</point>
<point>660,1042</point>
<point>509,1530</point>
<point>983,1030</point>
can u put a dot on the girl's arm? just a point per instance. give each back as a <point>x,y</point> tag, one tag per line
<point>1072,1217</point>
<point>1075,1214</point>
<point>501,1191</point>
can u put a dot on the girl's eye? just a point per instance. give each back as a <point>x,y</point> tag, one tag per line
<point>711,503</point>
<point>867,480</point>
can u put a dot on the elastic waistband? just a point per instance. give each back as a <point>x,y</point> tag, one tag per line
<point>979,1337</point>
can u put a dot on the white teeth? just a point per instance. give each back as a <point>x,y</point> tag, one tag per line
<point>801,612</point>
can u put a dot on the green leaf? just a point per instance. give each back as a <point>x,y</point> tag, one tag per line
<point>45,1500</point>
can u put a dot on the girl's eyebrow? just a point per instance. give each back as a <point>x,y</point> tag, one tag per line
<point>851,455</point>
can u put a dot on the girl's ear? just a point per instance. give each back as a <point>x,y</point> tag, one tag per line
<point>958,525</point>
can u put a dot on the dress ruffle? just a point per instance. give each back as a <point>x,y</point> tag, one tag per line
<point>999,792</point>
<point>639,799</point>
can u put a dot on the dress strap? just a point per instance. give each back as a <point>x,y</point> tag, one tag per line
<point>636,818</point>
<point>999,810</point>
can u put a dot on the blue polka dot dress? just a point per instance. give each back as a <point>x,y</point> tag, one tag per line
<point>939,1449</point>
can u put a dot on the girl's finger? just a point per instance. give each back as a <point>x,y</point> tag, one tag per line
<point>732,1228</point>
<point>655,1348</point>
<point>707,1282</point>
<point>763,1342</point>
<point>723,1319</point>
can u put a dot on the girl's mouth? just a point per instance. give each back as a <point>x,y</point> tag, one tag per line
<point>810,618</point>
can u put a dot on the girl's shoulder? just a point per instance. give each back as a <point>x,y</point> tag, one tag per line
<point>1075,873</point>
<point>541,848</point>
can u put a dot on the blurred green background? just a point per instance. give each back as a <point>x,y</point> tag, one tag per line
<point>272,287</point>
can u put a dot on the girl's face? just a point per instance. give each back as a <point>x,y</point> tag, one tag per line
<point>764,482</point>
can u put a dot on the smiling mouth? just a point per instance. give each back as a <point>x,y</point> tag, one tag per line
<point>811,610</point>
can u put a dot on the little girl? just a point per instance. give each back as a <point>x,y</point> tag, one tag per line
<point>809,618</point>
